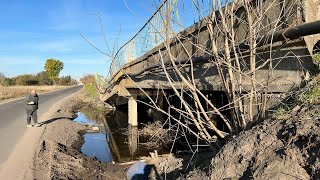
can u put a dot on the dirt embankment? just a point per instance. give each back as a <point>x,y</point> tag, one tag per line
<point>286,148</point>
<point>58,153</point>
<point>283,147</point>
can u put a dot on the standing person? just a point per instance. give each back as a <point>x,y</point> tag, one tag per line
<point>32,101</point>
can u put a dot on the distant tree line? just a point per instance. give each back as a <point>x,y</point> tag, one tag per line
<point>38,79</point>
<point>48,77</point>
<point>88,78</point>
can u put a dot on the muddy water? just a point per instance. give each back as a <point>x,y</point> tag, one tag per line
<point>115,141</point>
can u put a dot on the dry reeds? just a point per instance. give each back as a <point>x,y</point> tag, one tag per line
<point>20,91</point>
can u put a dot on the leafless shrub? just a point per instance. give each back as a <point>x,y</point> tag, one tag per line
<point>237,66</point>
<point>156,135</point>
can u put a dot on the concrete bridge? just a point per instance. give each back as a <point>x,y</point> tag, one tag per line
<point>290,44</point>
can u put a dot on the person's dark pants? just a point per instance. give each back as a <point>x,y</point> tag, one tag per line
<point>33,114</point>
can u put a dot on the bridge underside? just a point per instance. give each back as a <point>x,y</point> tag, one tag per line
<point>290,61</point>
<point>290,66</point>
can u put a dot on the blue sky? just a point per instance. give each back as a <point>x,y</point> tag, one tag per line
<point>32,31</point>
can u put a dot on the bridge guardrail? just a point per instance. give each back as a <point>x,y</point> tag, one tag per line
<point>152,33</point>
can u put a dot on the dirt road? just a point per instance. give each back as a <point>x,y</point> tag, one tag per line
<point>17,142</point>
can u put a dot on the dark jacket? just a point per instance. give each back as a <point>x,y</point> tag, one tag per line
<point>29,99</point>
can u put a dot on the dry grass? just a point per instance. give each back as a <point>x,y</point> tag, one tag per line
<point>20,91</point>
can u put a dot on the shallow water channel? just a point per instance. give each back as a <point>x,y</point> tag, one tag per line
<point>95,143</point>
<point>114,141</point>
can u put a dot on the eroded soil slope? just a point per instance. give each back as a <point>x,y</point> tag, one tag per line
<point>283,147</point>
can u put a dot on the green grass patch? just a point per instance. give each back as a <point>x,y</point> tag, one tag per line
<point>311,96</point>
<point>316,58</point>
<point>91,90</point>
<point>279,112</point>
<point>316,61</point>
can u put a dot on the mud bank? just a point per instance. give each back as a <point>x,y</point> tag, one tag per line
<point>58,153</point>
<point>285,146</point>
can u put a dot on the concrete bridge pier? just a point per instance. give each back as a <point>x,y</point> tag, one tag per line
<point>133,140</point>
<point>133,111</point>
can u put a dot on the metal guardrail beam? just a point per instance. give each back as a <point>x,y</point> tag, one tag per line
<point>289,33</point>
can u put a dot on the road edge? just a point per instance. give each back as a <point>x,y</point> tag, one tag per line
<point>23,168</point>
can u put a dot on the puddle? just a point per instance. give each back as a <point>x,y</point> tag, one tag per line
<point>83,119</point>
<point>125,146</point>
<point>112,143</point>
<point>96,145</point>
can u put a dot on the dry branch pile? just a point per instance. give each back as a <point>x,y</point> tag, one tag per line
<point>156,135</point>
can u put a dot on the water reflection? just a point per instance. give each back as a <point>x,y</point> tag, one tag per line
<point>133,141</point>
<point>96,146</point>
<point>116,126</point>
<point>83,119</point>
<point>124,140</point>
<point>122,144</point>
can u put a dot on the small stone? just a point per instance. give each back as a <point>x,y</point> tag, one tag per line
<point>95,128</point>
<point>304,109</point>
<point>297,108</point>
